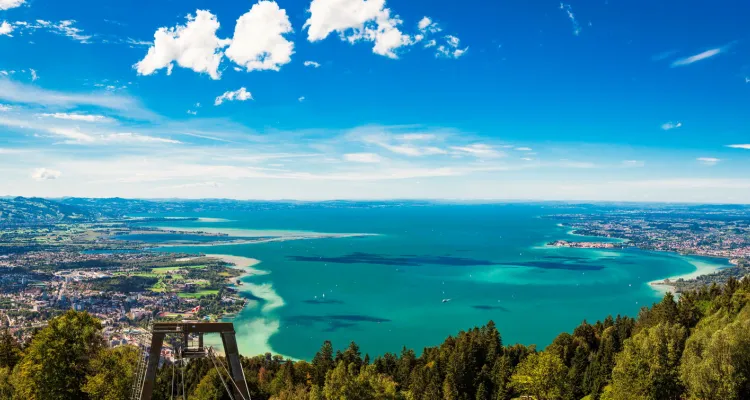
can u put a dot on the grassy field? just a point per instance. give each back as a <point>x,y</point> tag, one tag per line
<point>197,294</point>
<point>166,270</point>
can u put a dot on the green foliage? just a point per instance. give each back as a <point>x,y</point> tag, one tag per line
<point>112,373</point>
<point>10,350</point>
<point>648,366</point>
<point>716,362</point>
<point>56,363</point>
<point>541,375</point>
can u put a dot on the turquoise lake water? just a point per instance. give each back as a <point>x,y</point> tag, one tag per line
<point>388,291</point>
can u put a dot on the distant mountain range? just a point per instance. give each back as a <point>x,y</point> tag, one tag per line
<point>15,211</point>
<point>25,211</point>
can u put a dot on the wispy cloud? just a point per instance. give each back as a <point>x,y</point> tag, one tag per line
<point>524,149</point>
<point>78,117</point>
<point>664,55</point>
<point>312,64</point>
<point>671,125</point>
<point>479,150</point>
<point>709,161</point>
<point>700,56</point>
<point>369,158</point>
<point>15,92</point>
<point>569,12</point>
<point>740,146</point>
<point>63,28</point>
<point>633,163</point>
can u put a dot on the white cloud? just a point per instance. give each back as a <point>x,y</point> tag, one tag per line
<point>417,136</point>
<point>6,29</point>
<point>240,94</point>
<point>527,159</point>
<point>363,157</point>
<point>450,49</point>
<point>430,43</point>
<point>34,76</point>
<point>357,20</point>
<point>78,117</point>
<point>64,28</point>
<point>569,11</point>
<point>4,107</point>
<point>312,64</point>
<point>524,149</point>
<point>698,57</point>
<point>15,92</point>
<point>301,99</point>
<point>708,160</point>
<point>76,136</point>
<point>8,4</point>
<point>671,125</point>
<point>427,25</point>
<point>414,151</point>
<point>44,174</point>
<point>478,150</point>
<point>194,46</point>
<point>259,42</point>
<point>191,112</point>
<point>740,146</point>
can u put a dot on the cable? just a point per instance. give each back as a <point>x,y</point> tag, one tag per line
<point>171,392</point>
<point>182,372</point>
<point>230,377</point>
<point>229,392</point>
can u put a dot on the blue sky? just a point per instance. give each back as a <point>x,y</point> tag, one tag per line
<point>355,99</point>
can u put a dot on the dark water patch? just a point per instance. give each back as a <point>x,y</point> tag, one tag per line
<point>484,307</point>
<point>571,258</point>
<point>333,322</point>
<point>555,265</point>
<point>406,261</point>
<point>323,301</point>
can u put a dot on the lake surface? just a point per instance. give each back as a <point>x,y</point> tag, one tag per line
<point>430,272</point>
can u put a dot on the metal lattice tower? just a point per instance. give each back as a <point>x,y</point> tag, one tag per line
<point>160,329</point>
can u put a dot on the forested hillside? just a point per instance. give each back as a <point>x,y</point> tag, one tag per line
<point>26,210</point>
<point>695,348</point>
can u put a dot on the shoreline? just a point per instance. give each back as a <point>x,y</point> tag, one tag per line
<point>665,285</point>
<point>244,264</point>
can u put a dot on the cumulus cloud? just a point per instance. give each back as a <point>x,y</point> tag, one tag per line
<point>6,29</point>
<point>710,161</point>
<point>740,146</point>
<point>194,46</point>
<point>451,48</point>
<point>312,64</point>
<point>363,157</point>
<point>358,20</point>
<point>671,125</point>
<point>78,117</point>
<point>427,25</point>
<point>259,42</point>
<point>8,4</point>
<point>44,174</point>
<point>240,94</point>
<point>698,57</point>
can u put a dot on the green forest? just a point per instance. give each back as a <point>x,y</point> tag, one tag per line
<point>697,347</point>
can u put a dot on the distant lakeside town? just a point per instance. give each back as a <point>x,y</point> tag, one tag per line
<point>88,254</point>
<point>708,231</point>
